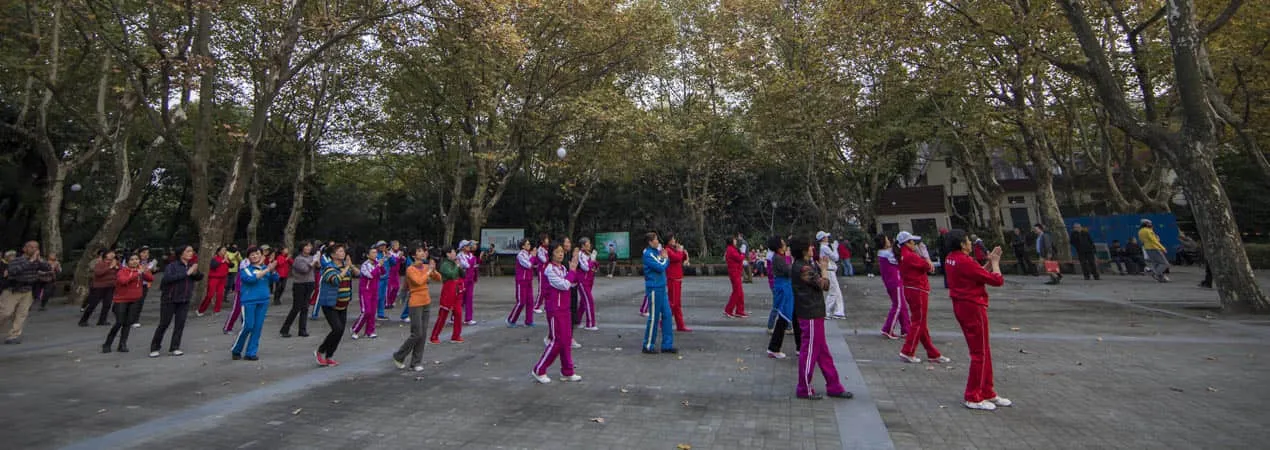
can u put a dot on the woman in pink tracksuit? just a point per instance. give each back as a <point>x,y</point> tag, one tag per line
<point>542,259</point>
<point>560,333</point>
<point>889,265</point>
<point>394,275</point>
<point>586,281</point>
<point>524,286</point>
<point>470,265</point>
<point>368,293</point>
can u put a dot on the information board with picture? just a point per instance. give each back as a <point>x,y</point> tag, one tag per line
<point>506,241</point>
<point>617,241</point>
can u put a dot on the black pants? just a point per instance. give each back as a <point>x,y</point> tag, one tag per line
<point>168,312</point>
<point>97,296</point>
<point>41,293</point>
<point>1026,266</point>
<point>574,312</point>
<point>868,268</point>
<point>1088,265</point>
<point>300,293</point>
<point>778,335</point>
<point>419,317</point>
<point>278,287</point>
<point>141,302</point>
<point>125,316</point>
<point>338,320</point>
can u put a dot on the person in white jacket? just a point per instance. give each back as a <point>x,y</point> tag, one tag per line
<point>833,298</point>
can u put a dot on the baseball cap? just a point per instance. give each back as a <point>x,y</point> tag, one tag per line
<point>905,236</point>
<point>464,243</point>
<point>821,235</point>
<point>1146,221</point>
<point>381,244</point>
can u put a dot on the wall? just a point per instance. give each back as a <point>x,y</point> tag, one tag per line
<point>1121,227</point>
<point>905,221</point>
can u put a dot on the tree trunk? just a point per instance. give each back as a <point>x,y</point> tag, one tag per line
<point>253,224</point>
<point>51,221</point>
<point>1047,203</point>
<point>297,204</point>
<point>577,210</point>
<point>699,222</point>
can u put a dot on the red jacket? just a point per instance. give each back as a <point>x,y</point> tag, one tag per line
<point>128,284</point>
<point>675,270</point>
<point>843,251</point>
<point>219,269</point>
<point>966,279</point>
<point>734,259</point>
<point>284,265</point>
<point>914,269</point>
<point>103,275</point>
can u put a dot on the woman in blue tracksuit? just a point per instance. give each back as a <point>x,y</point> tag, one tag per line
<point>256,279</point>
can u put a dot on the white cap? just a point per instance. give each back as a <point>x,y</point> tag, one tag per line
<point>905,236</point>
<point>820,235</point>
<point>381,244</point>
<point>463,243</point>
<point>1146,221</point>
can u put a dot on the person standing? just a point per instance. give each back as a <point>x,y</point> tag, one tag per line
<point>235,260</point>
<point>782,299</point>
<point>128,288</point>
<point>914,275</point>
<point>736,266</point>
<point>1085,251</point>
<point>677,258</point>
<point>966,281</point>
<point>151,265</point>
<point>1021,256</point>
<point>394,274</point>
<point>1155,251</point>
<point>612,259</point>
<point>810,281</point>
<point>868,257</point>
<point>844,258</point>
<point>888,261</point>
<point>1045,249</point>
<point>524,286</point>
<point>323,260</point>
<point>303,266</point>
<point>980,251</point>
<point>44,287</point>
<point>333,299</point>
<point>471,268</point>
<point>218,271</point>
<point>1133,256</point>
<point>284,264</point>
<point>174,303</point>
<point>102,288</point>
<point>543,258</point>
<point>655,262</point>
<point>254,298</point>
<point>744,248</point>
<point>833,297</point>
<point>368,293</point>
<point>235,314</point>
<point>587,266</point>
<point>1117,255</point>
<point>389,264</point>
<point>559,322</point>
<point>20,276</point>
<point>451,298</point>
<point>421,270</point>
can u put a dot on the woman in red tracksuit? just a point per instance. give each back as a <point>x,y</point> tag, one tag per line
<point>914,270</point>
<point>216,276</point>
<point>736,267</point>
<point>675,280</point>
<point>966,281</point>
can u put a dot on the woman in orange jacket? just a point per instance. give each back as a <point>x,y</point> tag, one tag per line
<point>419,306</point>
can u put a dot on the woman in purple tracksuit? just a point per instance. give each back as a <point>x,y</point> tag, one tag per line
<point>542,259</point>
<point>524,286</point>
<point>559,322</point>
<point>470,266</point>
<point>889,265</point>
<point>586,281</point>
<point>368,293</point>
<point>236,312</point>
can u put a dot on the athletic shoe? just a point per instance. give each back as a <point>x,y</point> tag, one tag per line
<point>530,325</point>
<point>591,328</point>
<point>840,317</point>
<point>671,350</point>
<point>106,349</point>
<point>303,334</point>
<point>136,325</point>
<point>812,396</point>
<point>546,341</point>
<point>434,341</point>
<point>843,394</point>
<point>743,316</point>
<point>643,314</point>
<point>511,325</point>
<point>776,355</point>
<point>154,354</point>
<point>575,344</point>
<point>332,362</point>
<point>382,317</point>
<point>406,320</point>
<point>285,335</point>
<point>541,378</point>
<point>355,336</point>
<point>470,322</point>
<point>457,341</point>
<point>252,358</point>
<point>649,351</point>
<point>574,377</point>
<point>418,369</point>
<point>400,364</point>
<point>984,406</point>
<point>198,314</point>
<point>538,311</point>
<point>910,359</point>
<point>889,336</point>
<point>1000,401</point>
<point>940,360</point>
<point>176,353</point>
<point>235,356</point>
<point>374,336</point>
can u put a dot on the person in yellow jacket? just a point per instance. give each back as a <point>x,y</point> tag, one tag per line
<point>417,276</point>
<point>234,258</point>
<point>1155,252</point>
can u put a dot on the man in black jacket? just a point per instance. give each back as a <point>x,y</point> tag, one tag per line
<point>1084,244</point>
<point>21,275</point>
<point>1021,257</point>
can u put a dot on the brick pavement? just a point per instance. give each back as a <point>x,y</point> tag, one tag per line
<point>1145,383</point>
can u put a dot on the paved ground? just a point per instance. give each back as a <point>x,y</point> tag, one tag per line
<point>1086,367</point>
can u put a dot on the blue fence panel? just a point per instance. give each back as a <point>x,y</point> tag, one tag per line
<point>1121,227</point>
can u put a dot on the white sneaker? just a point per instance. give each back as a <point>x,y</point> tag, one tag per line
<point>574,377</point>
<point>776,355</point>
<point>196,314</point>
<point>406,320</point>
<point>374,336</point>
<point>176,353</point>
<point>418,369</point>
<point>984,405</point>
<point>398,363</point>
<point>355,336</point>
<point>870,275</point>
<point>546,342</point>
<point>910,359</point>
<point>1000,401</point>
<point>470,322</point>
<point>576,344</point>
<point>154,354</point>
<point>643,314</point>
<point>541,378</point>
<point>136,325</point>
<point>538,311</point>
<point>592,328</point>
<point>941,360</point>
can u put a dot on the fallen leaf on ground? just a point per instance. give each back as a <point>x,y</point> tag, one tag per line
<point>1211,358</point>
<point>624,390</point>
<point>930,367</point>
<point>683,447</point>
<point>1099,338</point>
<point>1176,389</point>
<point>101,410</point>
<point>1014,328</point>
<point>617,349</point>
<point>597,419</point>
<point>335,402</point>
<point>1212,389</point>
<point>739,360</point>
<point>1025,352</point>
<point>297,411</point>
<point>679,357</point>
<point>942,406</point>
<point>685,403</point>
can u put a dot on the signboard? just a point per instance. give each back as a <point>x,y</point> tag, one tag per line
<point>619,241</point>
<point>506,241</point>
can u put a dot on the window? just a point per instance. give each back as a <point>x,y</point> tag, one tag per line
<point>1016,200</point>
<point>925,227</point>
<point>891,229</point>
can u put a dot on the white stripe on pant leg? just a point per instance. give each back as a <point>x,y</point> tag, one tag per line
<point>811,353</point>
<point>652,322</point>
<point>547,351</point>
<point>241,330</point>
